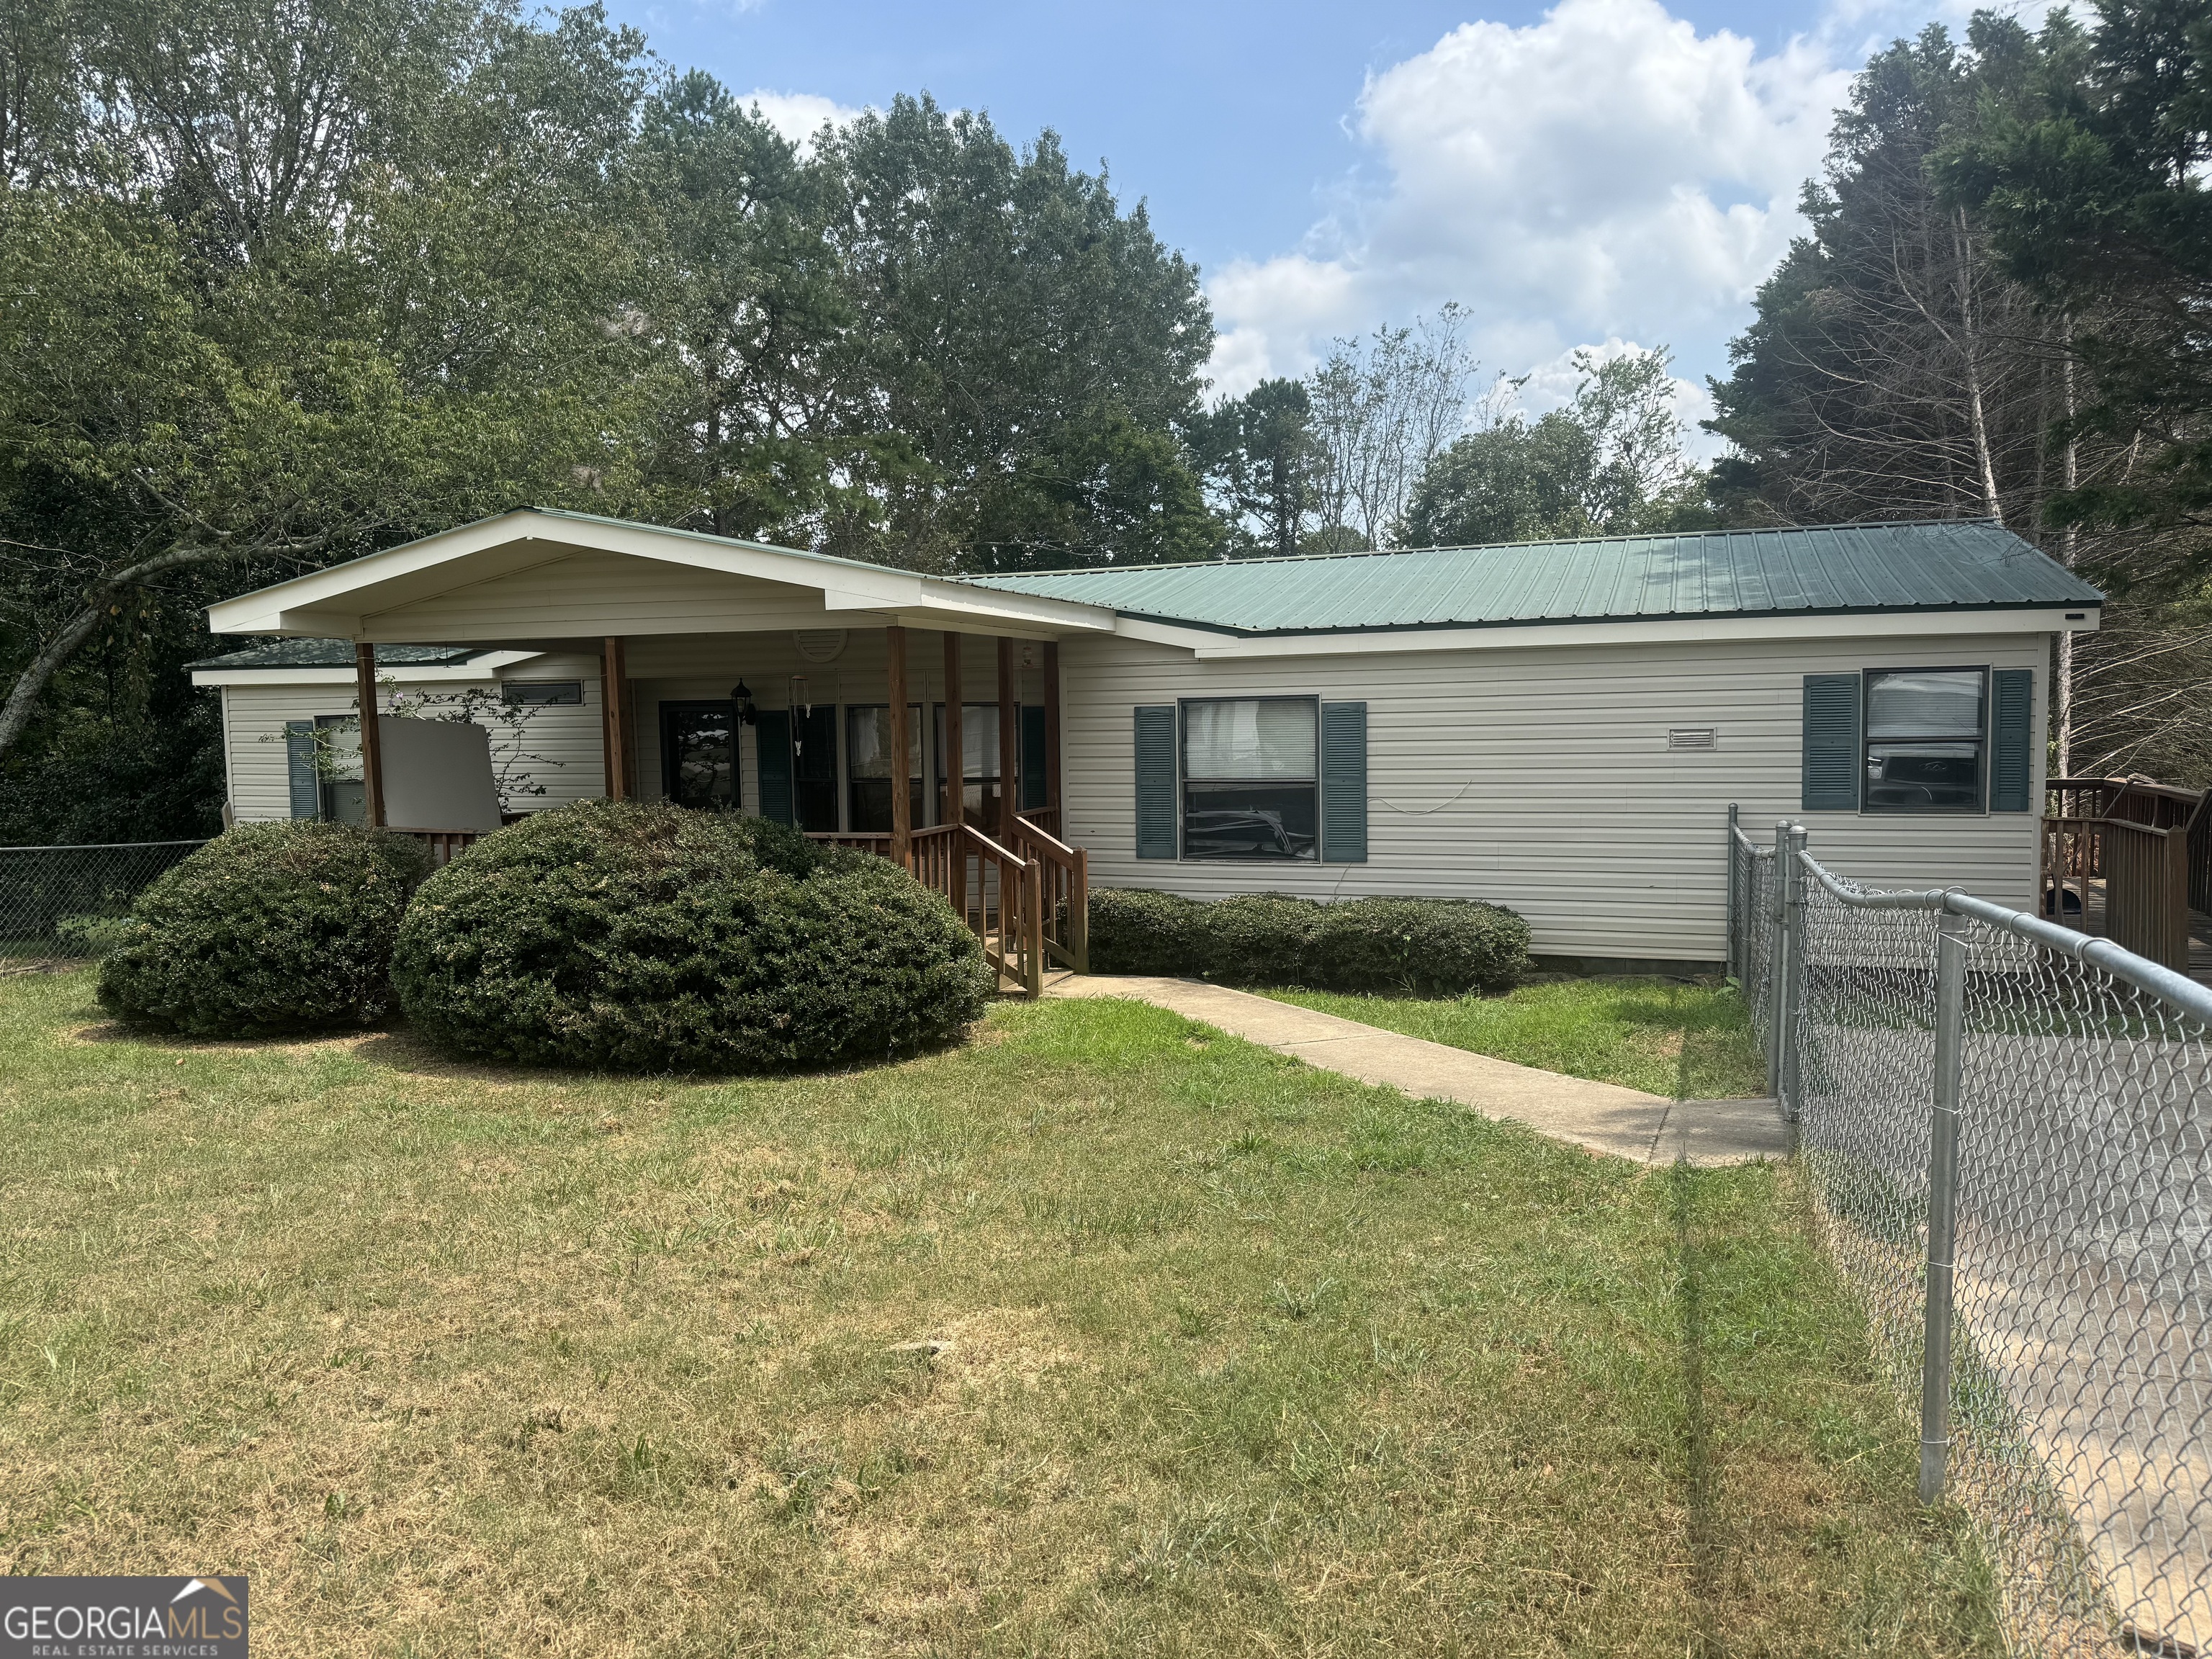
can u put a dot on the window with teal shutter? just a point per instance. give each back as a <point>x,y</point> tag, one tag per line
<point>1156,781</point>
<point>1830,781</point>
<point>774,730</point>
<point>300,769</point>
<point>1344,783</point>
<point>2012,760</point>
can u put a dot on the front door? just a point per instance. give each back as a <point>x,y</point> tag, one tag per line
<point>814,767</point>
<point>699,754</point>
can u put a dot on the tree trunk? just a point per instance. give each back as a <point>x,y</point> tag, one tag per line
<point>38,673</point>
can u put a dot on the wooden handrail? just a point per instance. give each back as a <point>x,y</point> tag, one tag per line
<point>1064,909</point>
<point>1008,898</point>
<point>2149,842</point>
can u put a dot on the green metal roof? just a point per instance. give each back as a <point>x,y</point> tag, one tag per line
<point>338,653</point>
<point>1946,566</point>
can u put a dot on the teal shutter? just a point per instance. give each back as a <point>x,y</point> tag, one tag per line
<point>1156,782</point>
<point>1831,744</point>
<point>300,769</point>
<point>1032,757</point>
<point>774,730</point>
<point>2012,739</point>
<point>1344,783</point>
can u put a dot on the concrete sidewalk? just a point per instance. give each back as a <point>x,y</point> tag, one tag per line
<point>1601,1116</point>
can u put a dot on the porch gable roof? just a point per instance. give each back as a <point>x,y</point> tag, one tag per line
<point>541,575</point>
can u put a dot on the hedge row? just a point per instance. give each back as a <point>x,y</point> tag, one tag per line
<point>627,936</point>
<point>1423,947</point>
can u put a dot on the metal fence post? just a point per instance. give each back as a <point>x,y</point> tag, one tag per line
<point>1942,1201</point>
<point>1735,956</point>
<point>1786,1089</point>
<point>1777,963</point>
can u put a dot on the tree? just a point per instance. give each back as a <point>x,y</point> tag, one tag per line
<point>1609,462</point>
<point>1258,455</point>
<point>261,345</point>
<point>1016,329</point>
<point>1381,409</point>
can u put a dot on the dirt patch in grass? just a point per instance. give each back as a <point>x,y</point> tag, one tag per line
<point>1080,1340</point>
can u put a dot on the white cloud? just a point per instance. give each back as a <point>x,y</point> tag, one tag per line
<point>797,115</point>
<point>1607,172</point>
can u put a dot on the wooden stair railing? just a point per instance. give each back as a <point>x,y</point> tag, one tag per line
<point>1065,911</point>
<point>998,893</point>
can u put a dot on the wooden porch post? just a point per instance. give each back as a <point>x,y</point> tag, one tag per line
<point>1010,744</point>
<point>902,760</point>
<point>372,739</point>
<point>613,685</point>
<point>1052,735</point>
<point>956,852</point>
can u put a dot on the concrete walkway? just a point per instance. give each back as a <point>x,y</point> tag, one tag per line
<point>1601,1116</point>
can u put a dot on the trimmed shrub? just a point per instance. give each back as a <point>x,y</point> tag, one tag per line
<point>638,936</point>
<point>1428,947</point>
<point>1135,930</point>
<point>269,928</point>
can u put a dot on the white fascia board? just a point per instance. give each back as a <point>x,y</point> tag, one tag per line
<point>482,671</point>
<point>1870,625</point>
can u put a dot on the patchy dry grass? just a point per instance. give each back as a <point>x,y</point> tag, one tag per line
<point>1687,1038</point>
<point>1100,1335</point>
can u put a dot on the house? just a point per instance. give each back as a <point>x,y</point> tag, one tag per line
<point>1559,728</point>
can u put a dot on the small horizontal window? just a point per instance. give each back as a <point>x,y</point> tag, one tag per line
<point>538,693</point>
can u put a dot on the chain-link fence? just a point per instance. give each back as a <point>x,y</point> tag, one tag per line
<point>2008,1127</point>
<point>53,898</point>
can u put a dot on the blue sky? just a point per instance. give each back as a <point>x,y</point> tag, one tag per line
<point>1597,173</point>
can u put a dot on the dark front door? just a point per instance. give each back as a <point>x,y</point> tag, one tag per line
<point>699,754</point>
<point>814,767</point>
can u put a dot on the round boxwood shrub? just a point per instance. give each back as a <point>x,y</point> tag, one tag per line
<point>640,936</point>
<point>1427,947</point>
<point>269,928</point>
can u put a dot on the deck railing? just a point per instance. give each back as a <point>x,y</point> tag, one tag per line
<point>2148,843</point>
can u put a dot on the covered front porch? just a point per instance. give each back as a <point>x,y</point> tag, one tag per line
<point>728,677</point>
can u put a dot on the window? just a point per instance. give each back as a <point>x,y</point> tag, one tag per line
<point>527,693</point>
<point>979,762</point>
<point>868,762</point>
<point>1251,787</point>
<point>814,767</point>
<point>1925,739</point>
<point>344,792</point>
<point>699,754</point>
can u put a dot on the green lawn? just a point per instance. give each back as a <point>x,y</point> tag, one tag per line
<point>1688,1039</point>
<point>1099,1335</point>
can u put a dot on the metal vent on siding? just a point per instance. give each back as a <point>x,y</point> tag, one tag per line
<point>1694,737</point>
<point>820,644</point>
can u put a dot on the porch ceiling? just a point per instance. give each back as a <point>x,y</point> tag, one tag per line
<point>543,577</point>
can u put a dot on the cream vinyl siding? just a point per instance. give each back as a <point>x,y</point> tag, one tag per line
<point>1541,779</point>
<point>254,716</point>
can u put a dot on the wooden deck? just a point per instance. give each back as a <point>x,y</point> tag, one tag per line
<point>2091,920</point>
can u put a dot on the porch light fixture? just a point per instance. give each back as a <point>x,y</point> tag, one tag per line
<point>741,695</point>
